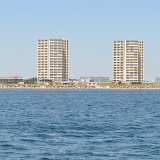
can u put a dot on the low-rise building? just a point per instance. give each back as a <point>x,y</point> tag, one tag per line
<point>157,80</point>
<point>95,79</point>
<point>10,80</point>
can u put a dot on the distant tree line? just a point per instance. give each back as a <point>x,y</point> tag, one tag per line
<point>30,80</point>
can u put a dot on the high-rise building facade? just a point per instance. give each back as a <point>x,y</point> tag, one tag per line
<point>52,60</point>
<point>128,61</point>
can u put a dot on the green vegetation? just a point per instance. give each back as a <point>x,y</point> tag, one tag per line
<point>30,81</point>
<point>120,82</point>
<point>136,82</point>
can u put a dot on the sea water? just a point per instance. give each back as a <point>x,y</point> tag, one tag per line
<point>86,124</point>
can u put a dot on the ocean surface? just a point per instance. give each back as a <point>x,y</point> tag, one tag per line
<point>86,124</point>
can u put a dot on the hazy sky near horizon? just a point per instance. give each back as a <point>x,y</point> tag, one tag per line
<point>90,26</point>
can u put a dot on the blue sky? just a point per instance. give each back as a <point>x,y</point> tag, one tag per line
<point>90,26</point>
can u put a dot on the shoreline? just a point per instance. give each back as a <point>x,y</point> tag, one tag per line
<point>100,88</point>
<point>60,86</point>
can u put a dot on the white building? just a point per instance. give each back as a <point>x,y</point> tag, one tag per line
<point>52,60</point>
<point>128,63</point>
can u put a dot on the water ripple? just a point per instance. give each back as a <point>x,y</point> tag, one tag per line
<point>79,125</point>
